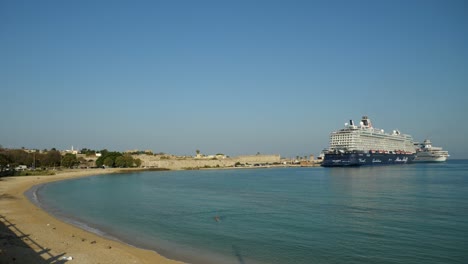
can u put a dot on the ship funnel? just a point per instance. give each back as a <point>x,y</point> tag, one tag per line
<point>351,123</point>
<point>366,121</point>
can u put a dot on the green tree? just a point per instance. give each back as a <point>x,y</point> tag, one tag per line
<point>19,157</point>
<point>4,161</point>
<point>106,154</point>
<point>51,158</point>
<point>120,161</point>
<point>88,152</point>
<point>128,161</point>
<point>109,162</point>
<point>137,162</point>
<point>69,160</point>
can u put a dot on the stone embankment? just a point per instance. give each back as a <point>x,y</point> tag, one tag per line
<point>175,163</point>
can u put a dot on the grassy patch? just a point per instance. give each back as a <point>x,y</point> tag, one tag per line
<point>35,173</point>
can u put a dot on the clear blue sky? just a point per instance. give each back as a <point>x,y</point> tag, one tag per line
<point>236,77</point>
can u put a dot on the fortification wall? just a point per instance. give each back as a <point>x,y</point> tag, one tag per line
<point>251,159</point>
<point>186,163</point>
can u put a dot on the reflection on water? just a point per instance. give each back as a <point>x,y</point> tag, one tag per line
<point>389,214</point>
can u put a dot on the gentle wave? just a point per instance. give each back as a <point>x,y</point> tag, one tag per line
<point>395,214</point>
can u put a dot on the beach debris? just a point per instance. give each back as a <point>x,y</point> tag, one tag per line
<point>83,240</point>
<point>67,258</point>
<point>93,242</point>
<point>109,247</point>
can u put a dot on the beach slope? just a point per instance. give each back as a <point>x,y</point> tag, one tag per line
<point>30,235</point>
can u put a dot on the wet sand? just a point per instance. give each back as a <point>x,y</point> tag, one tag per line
<point>30,235</point>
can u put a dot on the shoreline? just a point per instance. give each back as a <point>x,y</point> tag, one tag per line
<point>29,234</point>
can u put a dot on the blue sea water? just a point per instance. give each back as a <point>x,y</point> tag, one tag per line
<point>414,213</point>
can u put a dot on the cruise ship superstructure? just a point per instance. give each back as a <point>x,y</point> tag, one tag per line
<point>362,144</point>
<point>425,152</point>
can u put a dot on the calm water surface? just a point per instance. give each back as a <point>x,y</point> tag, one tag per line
<point>392,214</point>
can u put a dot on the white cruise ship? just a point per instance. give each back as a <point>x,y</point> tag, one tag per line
<point>365,145</point>
<point>425,152</point>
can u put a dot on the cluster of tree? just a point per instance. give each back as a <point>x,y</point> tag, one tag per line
<point>88,152</point>
<point>117,159</point>
<point>141,152</point>
<point>69,161</point>
<point>11,158</point>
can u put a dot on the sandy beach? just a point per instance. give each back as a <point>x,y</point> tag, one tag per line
<point>30,235</point>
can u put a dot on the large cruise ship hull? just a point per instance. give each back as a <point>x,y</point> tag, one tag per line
<point>363,159</point>
<point>430,159</point>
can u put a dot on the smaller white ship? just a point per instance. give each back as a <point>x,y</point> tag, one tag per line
<point>425,152</point>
